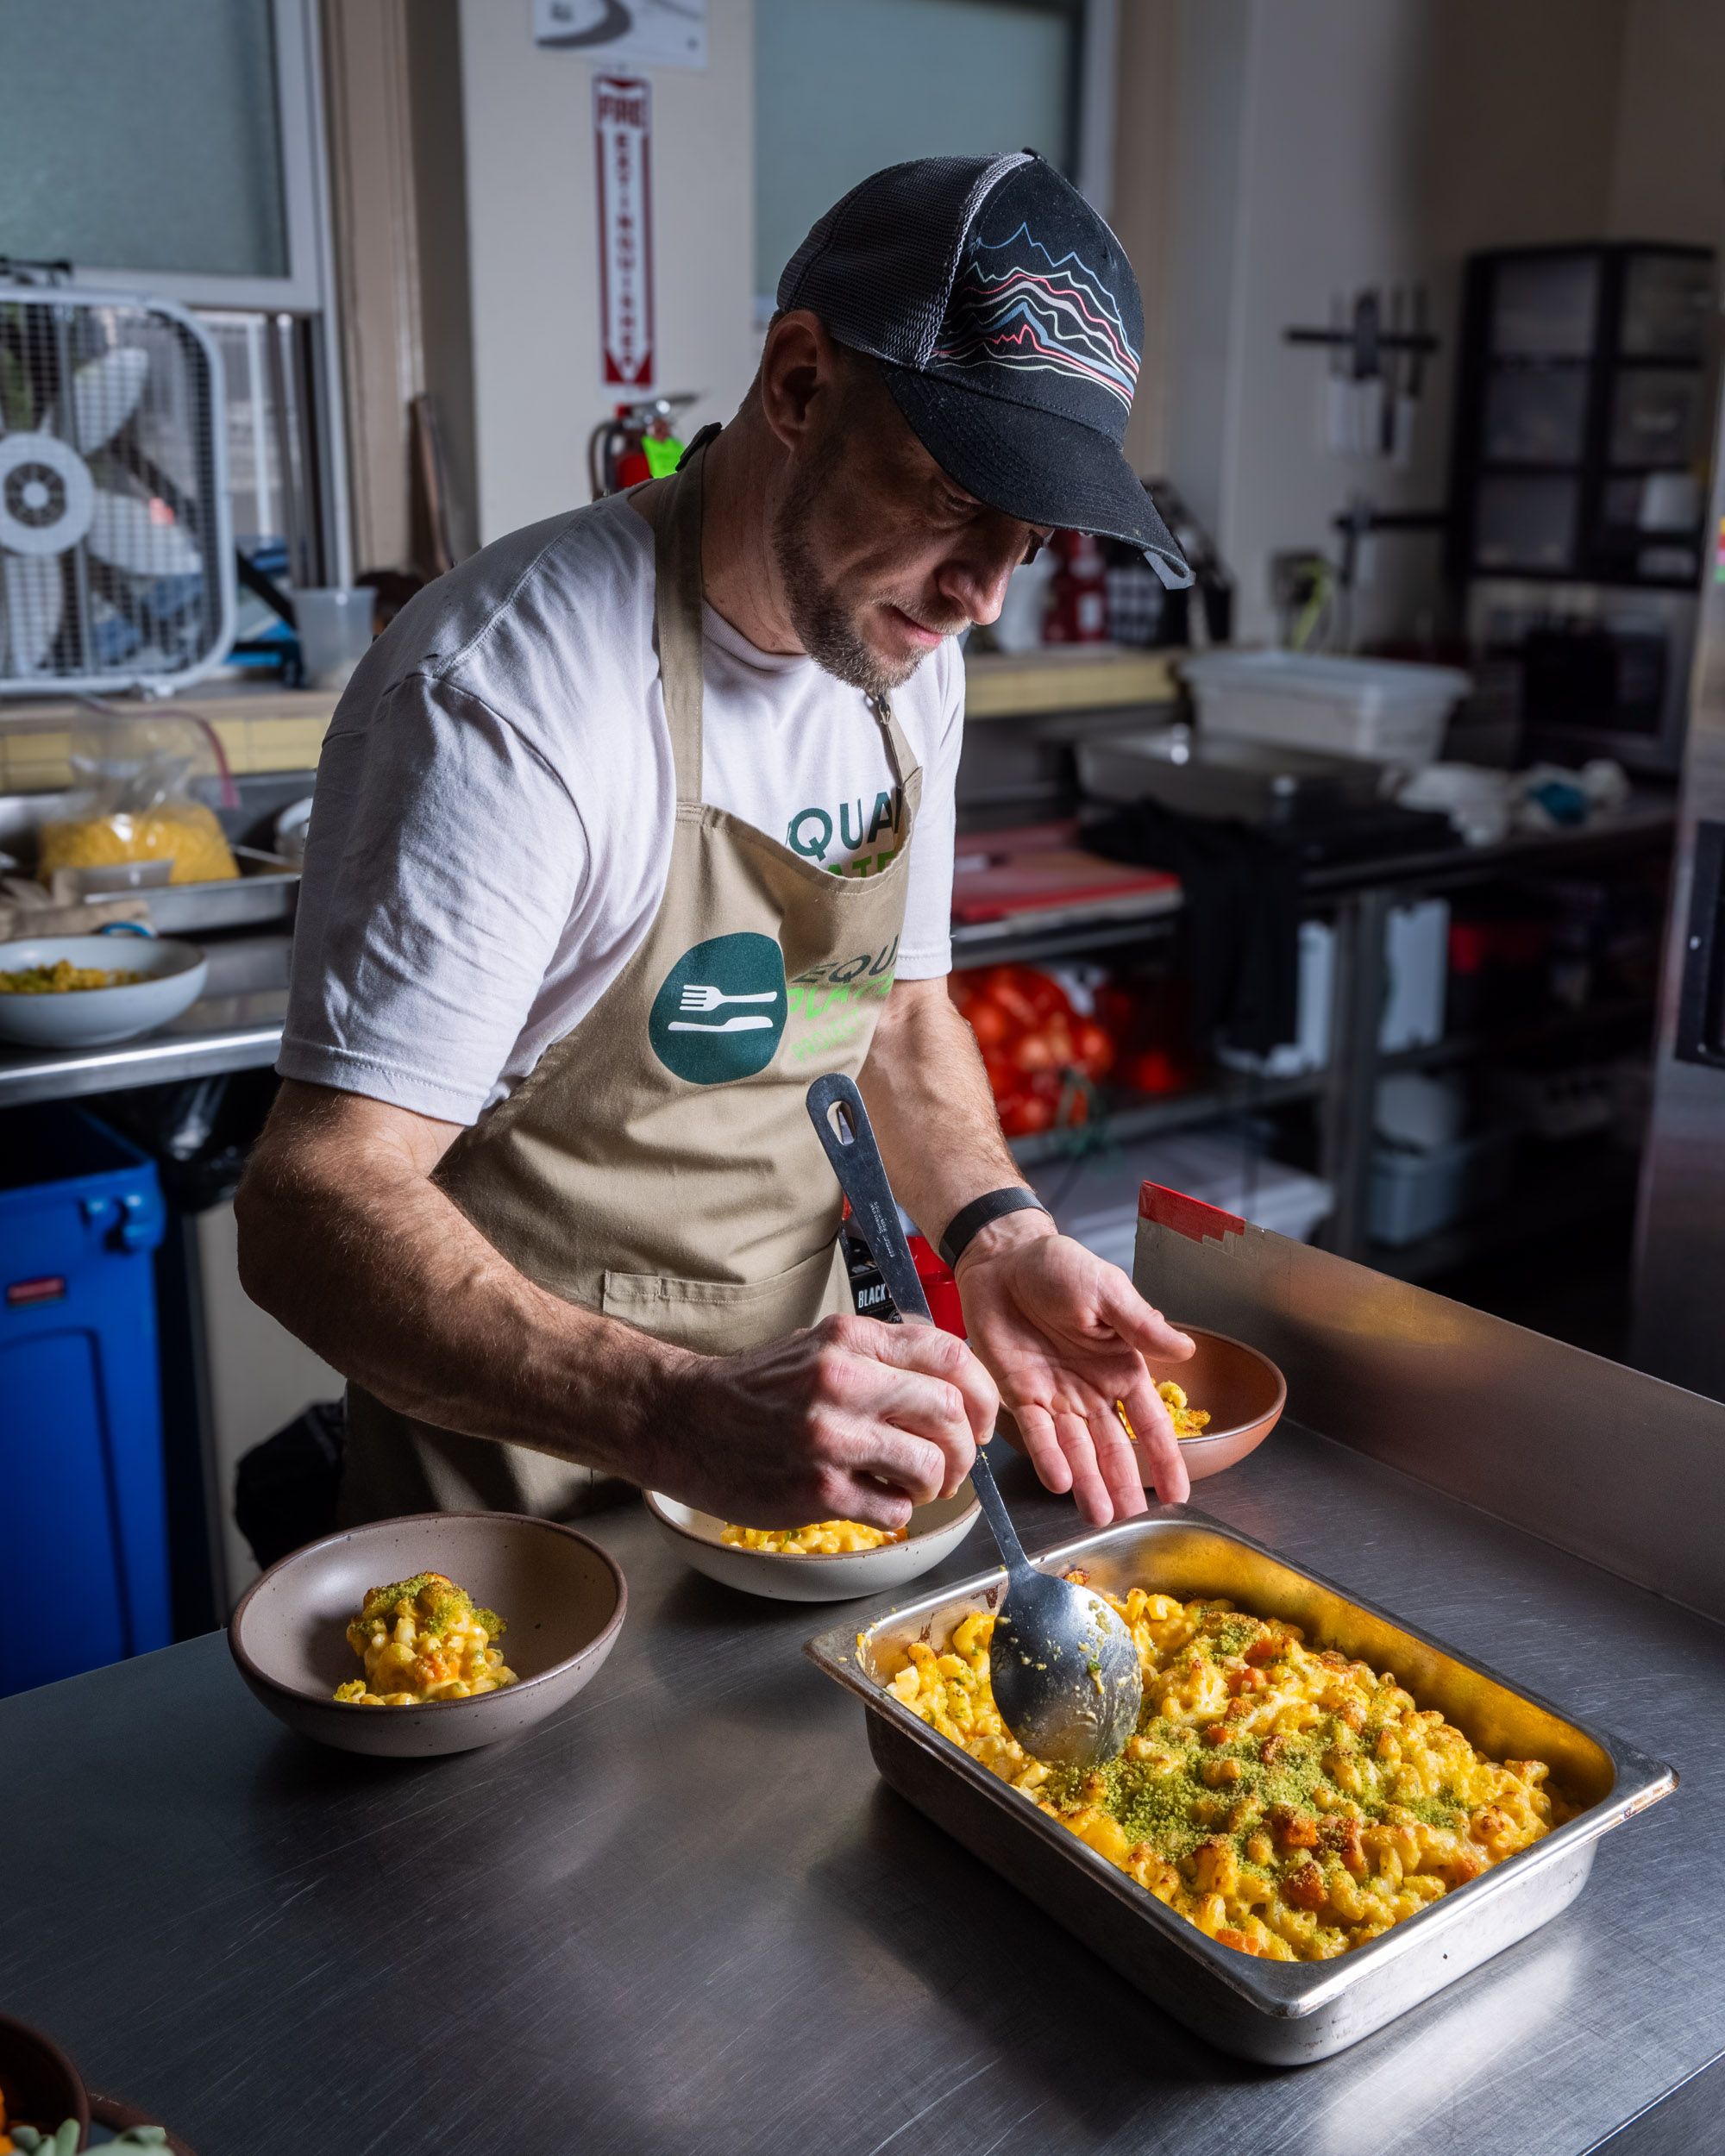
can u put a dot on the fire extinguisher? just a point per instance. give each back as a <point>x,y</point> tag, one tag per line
<point>1078,596</point>
<point>636,444</point>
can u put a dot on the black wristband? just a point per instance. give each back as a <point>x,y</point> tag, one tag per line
<point>968,1223</point>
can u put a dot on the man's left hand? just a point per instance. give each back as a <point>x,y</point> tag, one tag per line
<point>1064,1336</point>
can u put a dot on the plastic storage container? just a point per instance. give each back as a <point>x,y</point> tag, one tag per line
<point>1095,1202</point>
<point>1386,709</point>
<point>1416,1194</point>
<point>84,1579</point>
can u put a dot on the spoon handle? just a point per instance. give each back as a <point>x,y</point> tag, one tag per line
<point>847,1138</point>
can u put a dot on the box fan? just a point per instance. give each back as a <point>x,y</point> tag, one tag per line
<point>116,539</point>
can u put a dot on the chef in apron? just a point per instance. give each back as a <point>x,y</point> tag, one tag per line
<point>540,1180</point>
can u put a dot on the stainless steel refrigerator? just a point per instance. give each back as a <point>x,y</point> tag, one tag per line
<point>1679,1318</point>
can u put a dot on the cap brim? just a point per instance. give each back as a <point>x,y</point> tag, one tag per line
<point>1035,465</point>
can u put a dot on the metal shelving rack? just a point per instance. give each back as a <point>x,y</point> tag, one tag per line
<point>1356,899</point>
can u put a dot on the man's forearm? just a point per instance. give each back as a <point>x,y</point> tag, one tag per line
<point>930,1103</point>
<point>381,1275</point>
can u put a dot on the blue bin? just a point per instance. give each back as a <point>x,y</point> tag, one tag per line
<point>84,1577</point>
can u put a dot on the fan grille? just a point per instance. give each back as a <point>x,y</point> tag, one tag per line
<point>115,527</point>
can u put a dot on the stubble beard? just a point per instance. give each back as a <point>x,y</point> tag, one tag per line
<point>825,627</point>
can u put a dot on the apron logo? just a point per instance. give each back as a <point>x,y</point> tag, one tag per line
<point>720,1011</point>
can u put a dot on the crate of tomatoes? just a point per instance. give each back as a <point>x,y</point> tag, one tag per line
<point>1045,1050</point>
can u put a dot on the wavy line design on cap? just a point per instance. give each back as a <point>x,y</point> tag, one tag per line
<point>1061,320</point>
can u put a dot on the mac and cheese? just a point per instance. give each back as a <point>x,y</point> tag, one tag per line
<point>825,1538</point>
<point>1189,1421</point>
<point>1288,1802</point>
<point>422,1639</point>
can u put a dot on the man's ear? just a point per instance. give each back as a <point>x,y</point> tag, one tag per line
<point>799,364</point>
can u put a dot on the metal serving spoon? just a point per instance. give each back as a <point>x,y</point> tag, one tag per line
<point>1062,1665</point>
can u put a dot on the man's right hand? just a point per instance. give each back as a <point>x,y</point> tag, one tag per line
<point>851,1419</point>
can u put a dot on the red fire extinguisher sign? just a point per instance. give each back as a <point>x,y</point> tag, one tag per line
<point>623,133</point>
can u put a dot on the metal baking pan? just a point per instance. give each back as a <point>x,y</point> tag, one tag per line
<point>1277,2012</point>
<point>266,889</point>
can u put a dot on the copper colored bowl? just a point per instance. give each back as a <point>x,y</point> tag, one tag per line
<point>1242,1390</point>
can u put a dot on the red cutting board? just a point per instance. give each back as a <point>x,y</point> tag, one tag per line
<point>1036,869</point>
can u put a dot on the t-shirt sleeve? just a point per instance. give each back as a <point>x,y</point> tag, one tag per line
<point>444,862</point>
<point>925,947</point>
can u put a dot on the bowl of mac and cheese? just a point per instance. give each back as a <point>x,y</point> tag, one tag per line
<point>1239,1392</point>
<point>437,1632</point>
<point>825,1561</point>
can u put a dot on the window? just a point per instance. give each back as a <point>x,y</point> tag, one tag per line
<point>175,149</point>
<point>843,87</point>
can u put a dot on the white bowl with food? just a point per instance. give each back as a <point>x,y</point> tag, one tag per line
<point>810,1569</point>
<point>89,991</point>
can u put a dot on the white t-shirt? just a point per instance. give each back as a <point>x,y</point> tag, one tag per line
<point>492,822</point>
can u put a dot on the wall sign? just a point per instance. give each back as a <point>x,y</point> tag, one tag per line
<point>623,125</point>
<point>650,33</point>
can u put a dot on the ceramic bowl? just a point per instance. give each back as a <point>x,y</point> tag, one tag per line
<point>40,2084</point>
<point>935,1530</point>
<point>92,1018</point>
<point>1242,1390</point>
<point>43,2088</point>
<point>561,1596</point>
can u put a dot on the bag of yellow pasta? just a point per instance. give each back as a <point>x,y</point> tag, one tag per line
<point>137,799</point>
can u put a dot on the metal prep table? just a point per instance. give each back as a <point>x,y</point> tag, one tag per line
<point>684,1916</point>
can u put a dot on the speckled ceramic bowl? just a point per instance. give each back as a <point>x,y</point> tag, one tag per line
<point>43,2088</point>
<point>1242,1390</point>
<point>935,1530</point>
<point>561,1596</point>
<point>40,2084</point>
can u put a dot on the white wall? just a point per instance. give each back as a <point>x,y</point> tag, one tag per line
<point>1326,145</point>
<point>533,248</point>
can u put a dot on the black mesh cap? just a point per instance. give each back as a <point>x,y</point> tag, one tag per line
<point>1010,329</point>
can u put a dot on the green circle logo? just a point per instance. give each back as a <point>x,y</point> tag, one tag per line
<point>720,1011</point>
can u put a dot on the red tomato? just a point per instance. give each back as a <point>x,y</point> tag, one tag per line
<point>1028,998</point>
<point>1093,1050</point>
<point>1003,1075</point>
<point>1000,984</point>
<point>1035,1052</point>
<point>988,1022</point>
<point>1023,1114</point>
<point>1154,1071</point>
<point>1050,998</point>
<point>1068,1097</point>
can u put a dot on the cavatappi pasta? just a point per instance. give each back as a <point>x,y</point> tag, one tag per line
<point>1287,1801</point>
<point>62,978</point>
<point>422,1639</point>
<point>825,1538</point>
<point>1189,1421</point>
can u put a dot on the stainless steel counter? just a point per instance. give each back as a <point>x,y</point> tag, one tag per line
<point>684,1916</point>
<point>235,1025</point>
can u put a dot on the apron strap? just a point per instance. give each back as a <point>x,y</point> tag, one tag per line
<point>899,754</point>
<point>677,613</point>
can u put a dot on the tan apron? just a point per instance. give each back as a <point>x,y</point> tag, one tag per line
<point>658,1163</point>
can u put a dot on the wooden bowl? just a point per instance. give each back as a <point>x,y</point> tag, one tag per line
<point>1242,1390</point>
<point>936,1531</point>
<point>561,1596</point>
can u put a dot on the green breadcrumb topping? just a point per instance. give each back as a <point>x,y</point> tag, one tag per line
<point>432,1600</point>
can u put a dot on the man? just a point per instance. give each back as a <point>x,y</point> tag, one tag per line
<point>631,827</point>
